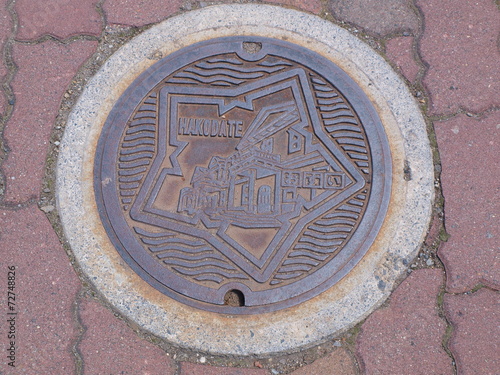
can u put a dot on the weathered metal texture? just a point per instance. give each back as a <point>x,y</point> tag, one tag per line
<point>242,175</point>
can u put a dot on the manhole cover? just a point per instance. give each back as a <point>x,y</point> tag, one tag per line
<point>243,166</point>
<point>245,179</point>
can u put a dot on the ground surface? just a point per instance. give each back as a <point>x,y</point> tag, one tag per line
<point>443,319</point>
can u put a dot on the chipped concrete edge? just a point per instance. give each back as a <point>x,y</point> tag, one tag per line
<point>332,312</point>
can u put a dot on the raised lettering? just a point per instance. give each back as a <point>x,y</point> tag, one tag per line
<point>238,133</point>
<point>223,129</point>
<point>198,122</point>
<point>207,127</point>
<point>183,124</point>
<point>215,128</point>
<point>192,126</point>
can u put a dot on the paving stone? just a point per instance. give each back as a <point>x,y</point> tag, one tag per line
<point>109,346</point>
<point>475,341</point>
<point>188,368</point>
<point>337,362</point>
<point>45,287</point>
<point>470,164</point>
<point>400,52</point>
<point>45,70</point>
<point>460,45</point>
<point>5,31</point>
<point>375,16</point>
<point>408,333</point>
<point>313,6</point>
<point>139,12</point>
<point>59,18</point>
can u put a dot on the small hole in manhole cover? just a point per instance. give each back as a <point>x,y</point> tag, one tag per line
<point>252,47</point>
<point>234,298</point>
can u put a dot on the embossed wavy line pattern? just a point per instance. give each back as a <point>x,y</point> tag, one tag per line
<point>193,258</point>
<point>322,240</point>
<point>226,72</point>
<point>342,124</point>
<point>137,150</point>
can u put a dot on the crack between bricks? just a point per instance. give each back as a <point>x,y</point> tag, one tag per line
<point>18,205</point>
<point>464,111</point>
<point>479,286</point>
<point>7,91</point>
<point>99,7</point>
<point>351,346</point>
<point>49,37</point>
<point>75,351</point>
<point>177,370</point>
<point>423,65</point>
<point>356,359</point>
<point>449,327</point>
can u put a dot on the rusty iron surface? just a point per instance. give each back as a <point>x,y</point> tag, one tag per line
<point>242,175</point>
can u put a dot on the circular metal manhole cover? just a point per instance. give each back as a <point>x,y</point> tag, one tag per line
<point>263,176</point>
<point>261,188</point>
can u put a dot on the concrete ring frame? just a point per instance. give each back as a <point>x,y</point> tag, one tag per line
<point>332,312</point>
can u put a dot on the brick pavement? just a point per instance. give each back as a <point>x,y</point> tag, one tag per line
<point>438,321</point>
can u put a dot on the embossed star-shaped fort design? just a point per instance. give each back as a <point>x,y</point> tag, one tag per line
<point>254,192</point>
<point>222,170</point>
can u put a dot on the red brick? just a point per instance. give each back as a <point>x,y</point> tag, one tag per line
<point>313,6</point>
<point>376,17</point>
<point>45,70</point>
<point>109,346</point>
<point>406,336</point>
<point>470,165</point>
<point>59,18</point>
<point>45,287</point>
<point>400,52</point>
<point>188,368</point>
<point>460,45</point>
<point>337,362</point>
<point>475,341</point>
<point>139,12</point>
